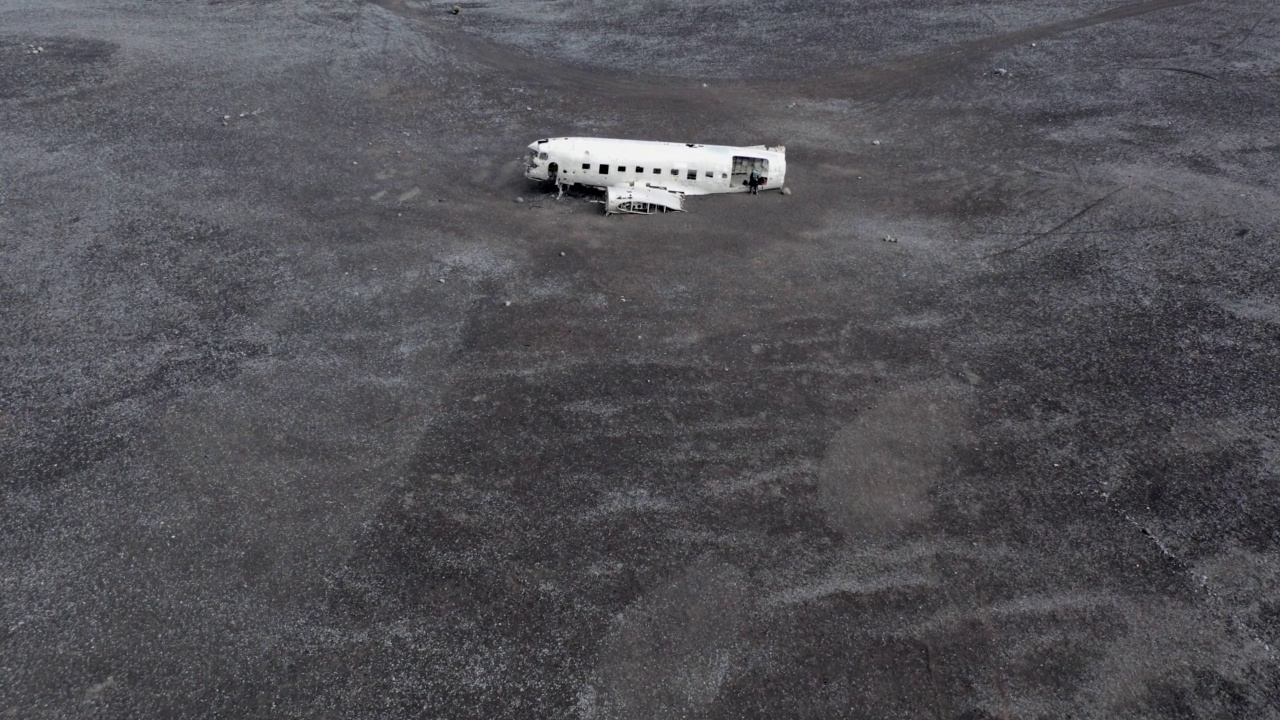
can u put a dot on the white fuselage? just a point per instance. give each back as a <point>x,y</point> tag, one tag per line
<point>690,169</point>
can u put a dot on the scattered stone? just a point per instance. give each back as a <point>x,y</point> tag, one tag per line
<point>999,72</point>
<point>890,238</point>
<point>455,10</point>
<point>786,191</point>
<point>561,253</point>
<point>519,200</point>
<point>1033,44</point>
<point>506,303</point>
<point>875,142</point>
<point>226,117</point>
<point>441,280</point>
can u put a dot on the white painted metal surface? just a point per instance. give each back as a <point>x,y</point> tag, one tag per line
<point>642,165</point>
<point>641,200</point>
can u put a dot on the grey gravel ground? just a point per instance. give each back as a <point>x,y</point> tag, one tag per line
<point>273,443</point>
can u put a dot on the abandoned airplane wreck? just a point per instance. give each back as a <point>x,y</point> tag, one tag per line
<point>643,177</point>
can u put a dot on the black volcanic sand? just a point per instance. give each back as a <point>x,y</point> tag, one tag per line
<point>273,443</point>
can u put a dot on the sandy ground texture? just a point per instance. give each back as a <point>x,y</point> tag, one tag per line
<point>273,443</point>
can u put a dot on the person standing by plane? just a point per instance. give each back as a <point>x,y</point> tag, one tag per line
<point>753,181</point>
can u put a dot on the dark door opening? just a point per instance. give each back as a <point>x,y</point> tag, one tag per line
<point>742,167</point>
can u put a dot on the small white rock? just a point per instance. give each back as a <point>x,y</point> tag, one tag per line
<point>875,142</point>
<point>506,303</point>
<point>561,253</point>
<point>786,191</point>
<point>519,200</point>
<point>441,280</point>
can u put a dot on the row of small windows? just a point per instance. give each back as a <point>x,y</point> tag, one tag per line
<point>691,174</point>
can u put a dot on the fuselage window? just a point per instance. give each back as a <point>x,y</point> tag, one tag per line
<point>657,171</point>
<point>710,174</point>
<point>724,175</point>
<point>622,168</point>
<point>604,169</point>
<point>693,175</point>
<point>586,166</point>
<point>674,171</point>
<point>639,169</point>
<point>542,156</point>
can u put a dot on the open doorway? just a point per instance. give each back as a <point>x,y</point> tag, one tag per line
<point>742,167</point>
